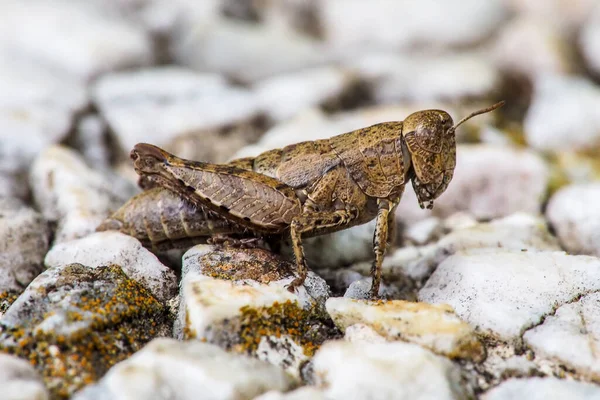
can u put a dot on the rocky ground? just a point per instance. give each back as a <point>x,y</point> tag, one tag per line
<point>494,294</point>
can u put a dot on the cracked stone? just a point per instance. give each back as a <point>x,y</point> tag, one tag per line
<point>504,293</point>
<point>571,336</point>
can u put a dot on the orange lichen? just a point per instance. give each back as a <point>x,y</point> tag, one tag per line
<point>117,325</point>
<point>280,319</point>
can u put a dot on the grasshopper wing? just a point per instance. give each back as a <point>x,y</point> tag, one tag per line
<point>251,199</point>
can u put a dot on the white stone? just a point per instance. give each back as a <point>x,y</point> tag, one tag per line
<point>517,232</point>
<point>384,371</point>
<point>571,336</point>
<point>589,41</point>
<point>187,370</point>
<point>184,100</point>
<point>362,333</point>
<point>489,182</point>
<point>206,301</point>
<point>424,78</point>
<point>75,195</point>
<point>567,16</point>
<point>19,381</point>
<point>395,24</point>
<point>219,310</point>
<point>283,96</point>
<point>313,293</point>
<point>506,293</point>
<point>312,124</point>
<point>574,214</point>
<point>530,46</point>
<point>360,289</point>
<point>24,237</point>
<point>244,51</point>
<point>92,141</point>
<point>435,327</point>
<point>340,248</point>
<point>303,393</point>
<point>11,187</point>
<point>105,248</point>
<point>543,389</point>
<point>564,114</point>
<point>36,110</point>
<point>424,231</point>
<point>97,40</point>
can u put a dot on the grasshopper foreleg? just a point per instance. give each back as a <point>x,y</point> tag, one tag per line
<point>385,216</point>
<point>306,223</point>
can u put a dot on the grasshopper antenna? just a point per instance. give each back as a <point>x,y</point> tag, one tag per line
<point>478,112</point>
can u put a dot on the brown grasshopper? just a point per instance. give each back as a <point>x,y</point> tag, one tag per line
<point>310,188</point>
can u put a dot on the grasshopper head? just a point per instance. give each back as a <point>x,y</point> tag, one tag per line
<point>429,137</point>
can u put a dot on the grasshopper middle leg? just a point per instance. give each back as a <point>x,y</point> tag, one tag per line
<point>309,222</point>
<point>382,229</point>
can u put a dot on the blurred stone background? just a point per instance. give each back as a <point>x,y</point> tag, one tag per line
<point>83,81</point>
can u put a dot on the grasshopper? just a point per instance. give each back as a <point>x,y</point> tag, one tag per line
<point>310,188</point>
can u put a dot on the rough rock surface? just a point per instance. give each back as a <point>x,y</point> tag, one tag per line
<point>505,293</point>
<point>517,232</point>
<point>24,237</point>
<point>385,370</point>
<point>187,370</point>
<point>435,327</point>
<point>239,300</point>
<point>577,324</point>
<point>106,248</point>
<point>74,322</point>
